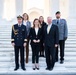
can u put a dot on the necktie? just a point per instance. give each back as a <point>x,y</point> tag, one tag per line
<point>57,21</point>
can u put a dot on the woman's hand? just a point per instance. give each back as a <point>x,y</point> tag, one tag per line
<point>56,45</point>
<point>34,41</point>
<point>24,44</point>
<point>38,41</point>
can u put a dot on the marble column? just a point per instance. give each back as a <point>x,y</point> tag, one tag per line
<point>25,6</point>
<point>1,8</point>
<point>1,12</point>
<point>9,12</point>
<point>54,7</point>
<point>19,7</point>
<point>72,12</point>
<point>64,5</point>
<point>47,9</point>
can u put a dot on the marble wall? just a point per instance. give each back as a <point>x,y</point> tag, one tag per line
<point>9,9</point>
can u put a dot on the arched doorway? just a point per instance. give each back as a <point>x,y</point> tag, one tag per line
<point>34,15</point>
<point>43,8</point>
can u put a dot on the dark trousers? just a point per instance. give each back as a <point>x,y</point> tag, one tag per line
<point>41,49</point>
<point>50,56</point>
<point>21,49</point>
<point>27,50</point>
<point>62,46</point>
<point>35,53</point>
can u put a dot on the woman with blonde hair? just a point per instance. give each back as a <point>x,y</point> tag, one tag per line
<point>27,23</point>
<point>43,24</point>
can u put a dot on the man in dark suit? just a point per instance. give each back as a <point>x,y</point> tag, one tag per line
<point>51,39</point>
<point>18,40</point>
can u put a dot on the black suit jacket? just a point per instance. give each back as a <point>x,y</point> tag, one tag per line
<point>33,35</point>
<point>42,27</point>
<point>18,35</point>
<point>53,37</point>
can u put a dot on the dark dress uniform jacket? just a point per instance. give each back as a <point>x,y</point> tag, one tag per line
<point>33,35</point>
<point>19,35</point>
<point>53,37</point>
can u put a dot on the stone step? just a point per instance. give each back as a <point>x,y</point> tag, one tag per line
<point>9,36</point>
<point>67,46</point>
<point>29,71</point>
<point>8,39</point>
<point>10,28</point>
<point>9,43</point>
<point>12,50</point>
<point>9,31</point>
<point>29,65</point>
<point>8,54</point>
<point>11,59</point>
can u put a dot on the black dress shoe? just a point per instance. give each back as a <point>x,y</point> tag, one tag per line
<point>62,61</point>
<point>16,69</point>
<point>37,68</point>
<point>24,69</point>
<point>33,68</point>
<point>50,69</point>
<point>47,68</point>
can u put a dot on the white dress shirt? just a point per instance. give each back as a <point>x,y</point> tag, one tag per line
<point>25,23</point>
<point>48,28</point>
<point>36,30</point>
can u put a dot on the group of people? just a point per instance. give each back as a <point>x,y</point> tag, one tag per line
<point>44,38</point>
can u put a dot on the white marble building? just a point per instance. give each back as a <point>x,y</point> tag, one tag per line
<point>9,9</point>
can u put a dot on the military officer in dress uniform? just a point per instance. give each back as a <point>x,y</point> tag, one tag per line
<point>18,40</point>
